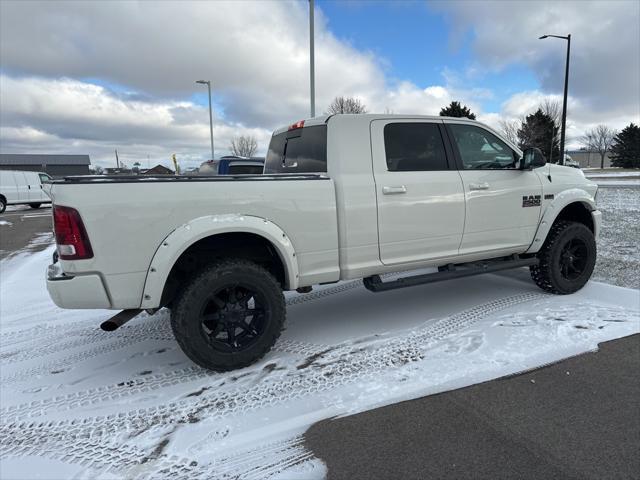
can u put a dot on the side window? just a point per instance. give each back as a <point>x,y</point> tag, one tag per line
<point>245,169</point>
<point>44,178</point>
<point>480,149</point>
<point>414,147</point>
<point>299,151</point>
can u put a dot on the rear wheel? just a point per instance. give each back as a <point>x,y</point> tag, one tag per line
<point>567,258</point>
<point>35,205</point>
<point>3,204</point>
<point>229,315</point>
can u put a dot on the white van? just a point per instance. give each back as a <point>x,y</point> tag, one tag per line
<point>18,187</point>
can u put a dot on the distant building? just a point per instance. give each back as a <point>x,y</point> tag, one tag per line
<point>117,171</point>
<point>589,159</point>
<point>55,165</point>
<point>157,170</point>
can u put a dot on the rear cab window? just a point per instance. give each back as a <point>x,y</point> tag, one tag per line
<point>303,150</point>
<point>412,147</point>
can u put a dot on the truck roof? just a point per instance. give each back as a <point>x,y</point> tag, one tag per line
<point>367,117</point>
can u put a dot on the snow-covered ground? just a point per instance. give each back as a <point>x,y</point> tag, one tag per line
<point>609,174</point>
<point>619,243</point>
<point>608,178</point>
<point>77,402</point>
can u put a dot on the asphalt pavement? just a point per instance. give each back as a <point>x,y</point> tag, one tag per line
<point>25,228</point>
<point>577,419</point>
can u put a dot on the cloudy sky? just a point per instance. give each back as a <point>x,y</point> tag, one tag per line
<point>90,77</point>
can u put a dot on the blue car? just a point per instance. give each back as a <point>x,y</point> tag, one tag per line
<point>232,165</point>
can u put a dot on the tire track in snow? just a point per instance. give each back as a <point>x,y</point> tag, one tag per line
<point>342,366</point>
<point>132,462</point>
<point>397,351</point>
<point>144,384</point>
<point>159,325</point>
<point>152,382</point>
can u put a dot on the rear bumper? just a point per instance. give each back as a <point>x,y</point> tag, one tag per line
<point>82,291</point>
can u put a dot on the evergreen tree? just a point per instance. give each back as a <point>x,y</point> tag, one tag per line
<point>625,151</point>
<point>540,130</point>
<point>454,109</point>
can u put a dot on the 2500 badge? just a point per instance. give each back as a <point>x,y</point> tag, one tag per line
<point>531,201</point>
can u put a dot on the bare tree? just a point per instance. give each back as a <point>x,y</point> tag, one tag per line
<point>346,105</point>
<point>599,139</point>
<point>510,129</point>
<point>243,146</point>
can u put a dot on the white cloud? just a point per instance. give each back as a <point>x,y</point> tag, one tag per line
<point>605,46</point>
<point>580,116</point>
<point>256,55</point>
<point>67,115</point>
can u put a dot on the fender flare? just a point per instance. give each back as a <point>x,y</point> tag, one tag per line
<point>561,200</point>
<point>180,239</point>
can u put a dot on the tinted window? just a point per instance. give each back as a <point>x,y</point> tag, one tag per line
<point>480,149</point>
<point>245,169</point>
<point>414,147</point>
<point>299,151</point>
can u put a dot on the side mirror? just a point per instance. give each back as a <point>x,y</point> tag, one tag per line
<point>532,158</point>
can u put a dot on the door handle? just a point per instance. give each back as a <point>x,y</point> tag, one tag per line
<point>394,190</point>
<point>479,186</point>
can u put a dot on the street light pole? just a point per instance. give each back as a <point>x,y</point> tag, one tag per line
<point>208,84</point>
<point>566,90</point>
<point>312,85</point>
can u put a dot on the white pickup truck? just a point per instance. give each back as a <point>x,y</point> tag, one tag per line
<point>342,197</point>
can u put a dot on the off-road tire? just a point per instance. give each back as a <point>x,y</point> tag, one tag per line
<point>35,205</point>
<point>186,319</point>
<point>548,274</point>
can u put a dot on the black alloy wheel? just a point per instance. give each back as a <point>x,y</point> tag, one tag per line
<point>234,317</point>
<point>229,315</point>
<point>567,258</point>
<point>573,259</point>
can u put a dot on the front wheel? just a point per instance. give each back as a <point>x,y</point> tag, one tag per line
<point>567,258</point>
<point>3,205</point>
<point>229,316</point>
<point>35,205</point>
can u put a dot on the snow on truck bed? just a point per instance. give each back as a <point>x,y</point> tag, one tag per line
<point>82,403</point>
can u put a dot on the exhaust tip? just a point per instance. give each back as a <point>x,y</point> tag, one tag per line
<point>109,326</point>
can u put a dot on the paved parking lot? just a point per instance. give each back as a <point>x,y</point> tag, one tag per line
<point>22,227</point>
<point>577,419</point>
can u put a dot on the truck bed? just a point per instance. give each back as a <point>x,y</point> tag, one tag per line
<point>127,218</point>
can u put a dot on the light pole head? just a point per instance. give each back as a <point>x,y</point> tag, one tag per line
<point>555,36</point>
<point>203,82</point>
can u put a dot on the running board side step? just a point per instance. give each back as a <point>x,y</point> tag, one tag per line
<point>448,272</point>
